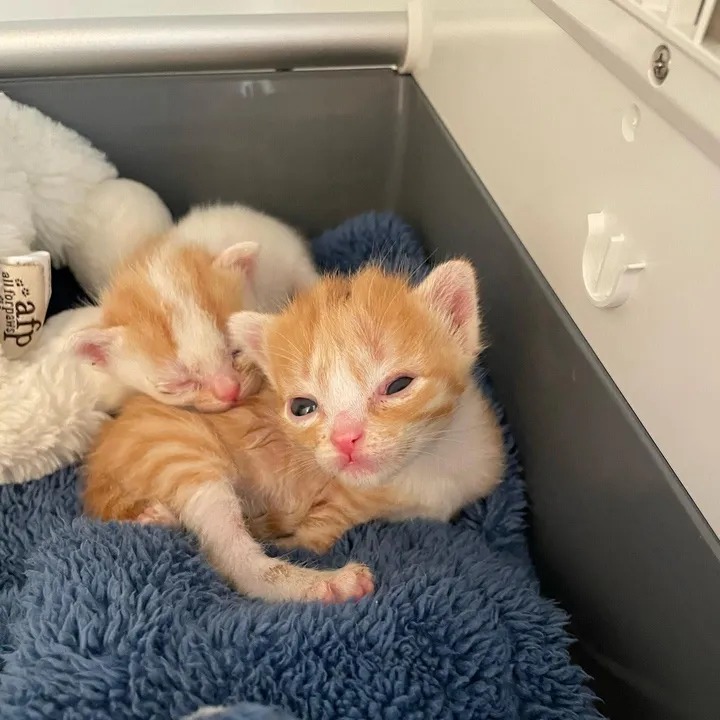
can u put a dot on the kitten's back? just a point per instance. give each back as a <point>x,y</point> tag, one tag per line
<point>152,452</point>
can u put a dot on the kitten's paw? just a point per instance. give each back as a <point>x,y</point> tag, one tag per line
<point>156,514</point>
<point>352,582</point>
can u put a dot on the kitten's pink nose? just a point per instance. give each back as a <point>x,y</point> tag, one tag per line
<point>345,434</point>
<point>225,388</point>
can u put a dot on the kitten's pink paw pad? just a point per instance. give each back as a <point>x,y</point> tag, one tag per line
<point>156,515</point>
<point>352,582</point>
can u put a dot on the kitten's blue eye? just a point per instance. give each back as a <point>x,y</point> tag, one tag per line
<point>398,384</point>
<point>302,406</point>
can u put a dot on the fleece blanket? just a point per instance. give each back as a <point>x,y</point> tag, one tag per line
<point>121,621</point>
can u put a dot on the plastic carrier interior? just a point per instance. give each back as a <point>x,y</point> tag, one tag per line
<point>316,146</point>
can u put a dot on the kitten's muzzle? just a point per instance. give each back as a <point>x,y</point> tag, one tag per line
<point>225,388</point>
<point>347,438</point>
<point>224,391</point>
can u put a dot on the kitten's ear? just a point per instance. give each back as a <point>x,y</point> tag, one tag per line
<point>95,345</point>
<point>248,331</point>
<point>451,291</point>
<point>241,256</point>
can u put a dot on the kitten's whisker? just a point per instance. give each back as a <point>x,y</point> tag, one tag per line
<point>292,345</point>
<point>400,290</point>
<point>292,359</point>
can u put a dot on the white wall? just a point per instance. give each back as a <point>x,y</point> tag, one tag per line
<point>541,122</point>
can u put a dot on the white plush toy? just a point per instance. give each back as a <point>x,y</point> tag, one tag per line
<point>51,404</point>
<point>58,195</point>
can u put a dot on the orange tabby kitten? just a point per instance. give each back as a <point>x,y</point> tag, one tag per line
<point>372,413</point>
<point>376,381</point>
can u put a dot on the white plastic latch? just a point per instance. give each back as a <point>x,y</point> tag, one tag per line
<point>610,271</point>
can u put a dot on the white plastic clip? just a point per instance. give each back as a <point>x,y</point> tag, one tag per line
<point>609,272</point>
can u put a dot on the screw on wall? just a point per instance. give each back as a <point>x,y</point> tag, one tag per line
<point>660,66</point>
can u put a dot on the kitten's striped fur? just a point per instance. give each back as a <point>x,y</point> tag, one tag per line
<point>155,463</point>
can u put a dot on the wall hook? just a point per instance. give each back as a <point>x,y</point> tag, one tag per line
<point>610,272</point>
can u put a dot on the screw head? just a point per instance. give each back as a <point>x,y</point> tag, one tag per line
<point>660,65</point>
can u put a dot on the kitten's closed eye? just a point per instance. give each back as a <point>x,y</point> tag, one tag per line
<point>175,388</point>
<point>398,384</point>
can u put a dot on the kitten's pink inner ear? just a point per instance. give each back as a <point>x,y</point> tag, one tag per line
<point>94,344</point>
<point>94,353</point>
<point>242,256</point>
<point>451,290</point>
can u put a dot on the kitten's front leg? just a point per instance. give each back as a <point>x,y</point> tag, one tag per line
<point>213,511</point>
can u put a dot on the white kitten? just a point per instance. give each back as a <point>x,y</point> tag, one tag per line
<point>283,264</point>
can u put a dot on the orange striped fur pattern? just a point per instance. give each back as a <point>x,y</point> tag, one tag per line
<point>156,463</point>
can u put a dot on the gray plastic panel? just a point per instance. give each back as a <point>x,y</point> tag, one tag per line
<point>313,148</point>
<point>615,536</point>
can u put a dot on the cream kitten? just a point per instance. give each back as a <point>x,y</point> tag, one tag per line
<point>164,312</point>
<point>283,265</point>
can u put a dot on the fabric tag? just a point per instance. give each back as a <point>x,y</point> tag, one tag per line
<point>25,288</point>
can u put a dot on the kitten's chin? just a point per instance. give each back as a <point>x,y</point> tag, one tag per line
<point>364,469</point>
<point>365,473</point>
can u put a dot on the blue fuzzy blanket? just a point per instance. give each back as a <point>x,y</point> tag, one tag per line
<point>121,621</point>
